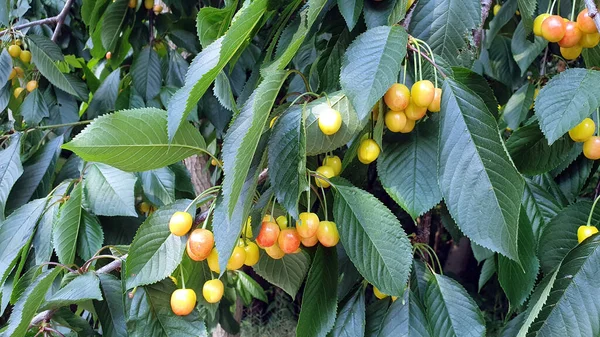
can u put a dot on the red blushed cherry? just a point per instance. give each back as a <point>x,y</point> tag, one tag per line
<point>199,244</point>
<point>553,28</point>
<point>289,240</point>
<point>572,35</point>
<point>269,232</point>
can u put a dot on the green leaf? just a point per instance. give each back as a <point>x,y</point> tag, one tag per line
<point>405,317</point>
<point>42,239</point>
<point>384,13</point>
<point>316,141</point>
<point>287,273</point>
<point>27,306</point>
<point>372,237</point>
<point>531,153</point>
<point>44,56</point>
<point>159,185</point>
<point>149,314</point>
<point>111,311</point>
<point>572,180</point>
<point>566,100</point>
<point>109,139</point>
<point>146,73</point>
<point>82,288</point>
<point>487,271</point>
<point>206,66</point>
<point>251,286</point>
<point>350,321</point>
<point>6,65</point>
<point>212,22</point>
<point>242,138</point>
<point>505,14</point>
<point>155,252</point>
<point>90,237</point>
<point>223,92</point>
<point>374,316</point>
<point>503,66</point>
<point>319,301</point>
<point>517,107</point>
<point>540,205</point>
<point>537,301</point>
<point>479,85</point>
<point>105,97</point>
<point>109,191</point>
<point>350,10</point>
<point>524,51</point>
<point>10,169</point>
<point>66,230</point>
<point>112,23</point>
<point>573,305</point>
<point>15,232</point>
<point>329,62</point>
<point>444,24</point>
<point>560,235</point>
<point>365,77</point>
<point>287,158</point>
<point>34,108</point>
<point>487,183</point>
<point>452,312</point>
<point>518,280</point>
<point>415,159</point>
<point>527,9</point>
<point>591,56</point>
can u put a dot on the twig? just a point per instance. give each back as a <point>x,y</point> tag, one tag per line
<point>60,19</point>
<point>543,67</point>
<point>485,11</point>
<point>428,60</point>
<point>593,12</point>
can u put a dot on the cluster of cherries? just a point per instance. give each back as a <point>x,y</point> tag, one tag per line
<point>16,52</point>
<point>584,133</point>
<point>571,36</point>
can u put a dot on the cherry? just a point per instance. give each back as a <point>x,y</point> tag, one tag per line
<point>282,221</point>
<point>13,74</point>
<point>252,254</point>
<point>591,148</point>
<point>327,172</point>
<point>422,93</point>
<point>436,104</point>
<point>157,9</point>
<point>584,232</point>
<point>307,224</point>
<point>571,53</point>
<point>553,28</point>
<point>213,260</point>
<point>583,131</point>
<point>414,112</point>
<point>368,151</point>
<point>378,293</point>
<point>144,207</point>
<point>212,290</point>
<point>586,23</point>
<point>268,218</point>
<point>180,223</point>
<point>183,301</point>
<point>397,97</point>
<point>327,234</point>
<point>275,252</point>
<point>269,231</point>
<point>200,244</point>
<point>497,8</point>
<point>14,51</point>
<point>537,23</point>
<point>132,3</point>
<point>590,40</point>
<point>148,4</point>
<point>410,125</point>
<point>18,92</point>
<point>310,242</point>
<point>237,258</point>
<point>335,163</point>
<point>330,121</point>
<point>25,56</point>
<point>395,120</point>
<point>289,240</point>
<point>572,35</point>
<point>31,85</point>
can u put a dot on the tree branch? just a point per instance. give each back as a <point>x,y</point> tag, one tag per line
<point>58,20</point>
<point>441,71</point>
<point>485,12</point>
<point>593,12</point>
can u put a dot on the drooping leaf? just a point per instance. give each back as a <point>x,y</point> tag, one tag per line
<point>146,73</point>
<point>105,97</point>
<point>42,239</point>
<point>475,173</point>
<point>251,286</point>
<point>6,65</point>
<point>351,318</point>
<point>479,85</point>
<point>518,106</point>
<point>350,10</point>
<point>527,9</point>
<point>572,180</point>
<point>415,159</point>
<point>540,206</point>
<point>372,237</point>
<point>329,62</point>
<point>109,191</point>
<point>155,252</point>
<point>212,23</point>
<point>34,108</point>
<point>503,67</point>
<point>159,185</point>
<point>405,317</point>
<point>504,15</point>
<point>319,301</point>
<point>287,273</point>
<point>91,236</point>
<point>374,316</point>
<point>566,100</point>
<point>487,271</point>
<point>524,51</point>
<point>112,23</point>
<point>536,303</point>
<point>10,169</point>
<point>66,230</point>
<point>82,288</point>
<point>366,76</point>
<point>110,140</point>
<point>111,311</point>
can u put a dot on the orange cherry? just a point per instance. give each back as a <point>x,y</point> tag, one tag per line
<point>275,252</point>
<point>586,23</point>
<point>572,35</point>
<point>200,243</point>
<point>591,148</point>
<point>397,97</point>
<point>553,28</point>
<point>310,242</point>
<point>269,232</point>
<point>289,240</point>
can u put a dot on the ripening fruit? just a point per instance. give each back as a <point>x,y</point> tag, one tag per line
<point>436,104</point>
<point>327,172</point>
<point>132,3</point>
<point>14,51</point>
<point>414,112</point>
<point>252,254</point>
<point>378,293</point>
<point>200,244</point>
<point>586,23</point>
<point>289,240</point>
<point>275,252</point>
<point>422,93</point>
<point>180,223</point>
<point>368,151</point>
<point>13,74</point>
<point>537,23</point>
<point>307,224</point>
<point>572,35</point>
<point>591,148</point>
<point>18,92</point>
<point>212,290</point>
<point>148,4</point>
<point>213,260</point>
<point>282,221</point>
<point>268,218</point>
<point>553,28</point>
<point>583,131</point>
<point>397,97</point>
<point>570,53</point>
<point>144,207</point>
<point>237,258</point>
<point>584,232</point>
<point>183,301</point>
<point>25,56</point>
<point>335,163</point>
<point>310,242</point>
<point>410,125</point>
<point>157,9</point>
<point>589,40</point>
<point>269,231</point>
<point>31,85</point>
<point>497,9</point>
<point>327,234</point>
<point>330,121</point>
<point>108,55</point>
<point>395,120</point>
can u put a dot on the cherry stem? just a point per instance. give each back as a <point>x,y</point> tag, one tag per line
<point>59,265</point>
<point>589,222</point>
<point>324,202</point>
<point>404,71</point>
<point>573,10</point>
<point>210,210</point>
<point>430,51</point>
<point>181,275</point>
<point>552,6</point>
<point>427,58</point>
<point>203,194</point>
<point>306,84</point>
